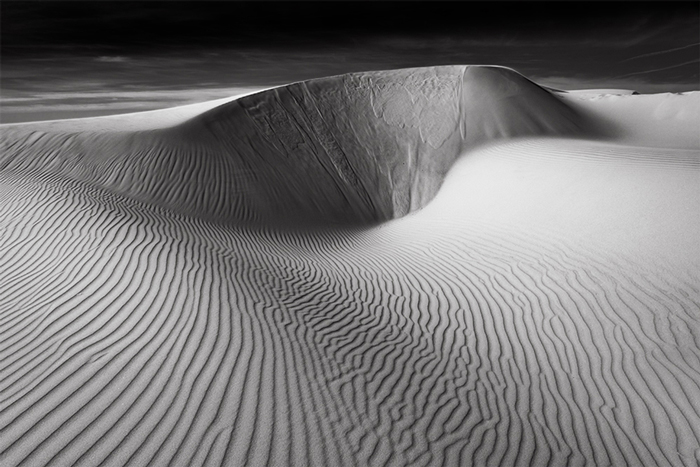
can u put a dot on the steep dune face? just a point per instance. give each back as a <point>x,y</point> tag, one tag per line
<point>357,148</point>
<point>499,103</point>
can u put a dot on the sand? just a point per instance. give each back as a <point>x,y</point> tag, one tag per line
<point>440,266</point>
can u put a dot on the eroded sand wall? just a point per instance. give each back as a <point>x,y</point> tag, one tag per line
<point>358,148</point>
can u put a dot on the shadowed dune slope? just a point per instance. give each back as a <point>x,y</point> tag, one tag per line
<point>358,148</point>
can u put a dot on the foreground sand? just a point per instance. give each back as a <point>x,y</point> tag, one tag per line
<point>535,301</point>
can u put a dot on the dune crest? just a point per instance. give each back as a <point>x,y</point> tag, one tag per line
<point>358,148</point>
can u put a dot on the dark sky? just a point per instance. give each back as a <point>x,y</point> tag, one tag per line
<point>63,59</point>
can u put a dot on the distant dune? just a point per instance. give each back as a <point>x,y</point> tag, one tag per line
<point>435,266</point>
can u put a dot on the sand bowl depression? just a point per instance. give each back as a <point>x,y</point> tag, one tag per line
<point>442,266</point>
<point>355,148</point>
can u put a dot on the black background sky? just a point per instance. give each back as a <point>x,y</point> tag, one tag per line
<point>86,58</point>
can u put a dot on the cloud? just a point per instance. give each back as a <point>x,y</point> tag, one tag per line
<point>653,70</point>
<point>661,52</point>
<point>639,84</point>
<point>114,59</point>
<point>57,105</point>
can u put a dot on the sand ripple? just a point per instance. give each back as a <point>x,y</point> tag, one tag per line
<point>135,333</point>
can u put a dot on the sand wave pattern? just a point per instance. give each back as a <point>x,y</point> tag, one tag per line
<point>135,330</point>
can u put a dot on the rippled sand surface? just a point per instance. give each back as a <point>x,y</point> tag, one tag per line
<point>444,266</point>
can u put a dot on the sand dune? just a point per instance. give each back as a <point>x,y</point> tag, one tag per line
<point>444,266</point>
<point>383,156</point>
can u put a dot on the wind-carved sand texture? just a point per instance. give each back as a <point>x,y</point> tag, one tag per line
<point>294,278</point>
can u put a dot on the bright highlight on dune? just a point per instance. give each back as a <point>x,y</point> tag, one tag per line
<point>433,266</point>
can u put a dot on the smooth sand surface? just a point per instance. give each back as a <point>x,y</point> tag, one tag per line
<point>441,266</point>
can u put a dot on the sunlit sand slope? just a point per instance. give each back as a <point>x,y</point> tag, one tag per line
<point>542,309</point>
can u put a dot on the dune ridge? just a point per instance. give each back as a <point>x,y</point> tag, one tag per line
<point>542,309</point>
<point>359,148</point>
